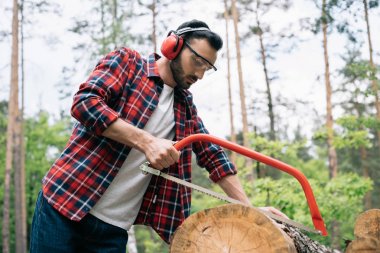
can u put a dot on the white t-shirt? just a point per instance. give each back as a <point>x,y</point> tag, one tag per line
<point>121,202</point>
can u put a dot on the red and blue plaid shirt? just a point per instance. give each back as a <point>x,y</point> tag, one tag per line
<point>125,85</point>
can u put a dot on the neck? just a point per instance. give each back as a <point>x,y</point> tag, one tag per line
<point>165,72</point>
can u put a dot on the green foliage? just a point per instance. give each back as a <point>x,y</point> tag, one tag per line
<point>44,141</point>
<point>278,149</point>
<point>339,199</point>
<point>343,201</point>
<point>351,122</point>
<point>148,241</point>
<point>288,152</point>
<point>352,139</point>
<point>359,69</point>
<point>355,132</point>
<point>373,4</point>
<point>3,131</point>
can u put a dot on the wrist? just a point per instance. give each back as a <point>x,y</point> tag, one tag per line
<point>142,140</point>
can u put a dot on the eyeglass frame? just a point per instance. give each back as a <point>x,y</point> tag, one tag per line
<point>200,56</point>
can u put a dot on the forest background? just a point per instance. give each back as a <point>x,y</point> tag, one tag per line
<point>297,80</point>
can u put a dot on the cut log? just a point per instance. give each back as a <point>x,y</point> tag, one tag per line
<point>237,228</point>
<point>367,233</point>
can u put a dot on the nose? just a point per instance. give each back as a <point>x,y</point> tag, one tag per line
<point>199,73</point>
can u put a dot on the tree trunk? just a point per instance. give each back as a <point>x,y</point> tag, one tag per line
<point>235,15</point>
<point>12,114</point>
<point>367,233</point>
<point>19,160</point>
<point>333,163</point>
<point>154,37</point>
<point>114,23</point>
<point>272,134</point>
<point>18,188</point>
<point>332,156</point>
<point>372,64</point>
<point>132,244</point>
<point>103,26</point>
<point>232,126</point>
<point>237,228</point>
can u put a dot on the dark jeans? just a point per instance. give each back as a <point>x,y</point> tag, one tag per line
<point>52,232</point>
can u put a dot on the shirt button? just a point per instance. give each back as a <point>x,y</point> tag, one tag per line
<point>151,107</point>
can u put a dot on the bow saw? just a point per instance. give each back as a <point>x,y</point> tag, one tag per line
<point>319,225</point>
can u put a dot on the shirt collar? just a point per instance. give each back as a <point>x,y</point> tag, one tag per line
<point>153,72</point>
<point>152,65</point>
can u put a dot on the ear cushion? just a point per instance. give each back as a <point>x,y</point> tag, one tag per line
<point>171,46</point>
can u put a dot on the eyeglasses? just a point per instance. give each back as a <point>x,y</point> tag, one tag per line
<point>199,61</point>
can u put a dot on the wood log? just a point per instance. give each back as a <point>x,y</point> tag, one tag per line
<point>367,233</point>
<point>237,228</point>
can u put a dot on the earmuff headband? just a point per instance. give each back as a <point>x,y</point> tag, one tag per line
<point>191,29</point>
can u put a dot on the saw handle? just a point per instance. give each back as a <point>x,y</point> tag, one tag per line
<point>314,211</point>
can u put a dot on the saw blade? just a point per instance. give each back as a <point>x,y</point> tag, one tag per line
<point>146,169</point>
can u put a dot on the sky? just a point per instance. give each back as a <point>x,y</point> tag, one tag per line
<point>300,72</point>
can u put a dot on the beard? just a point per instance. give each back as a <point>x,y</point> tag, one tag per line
<point>179,75</point>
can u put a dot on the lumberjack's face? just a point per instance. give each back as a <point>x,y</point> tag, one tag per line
<point>195,59</point>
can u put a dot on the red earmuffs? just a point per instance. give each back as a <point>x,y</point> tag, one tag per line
<point>173,43</point>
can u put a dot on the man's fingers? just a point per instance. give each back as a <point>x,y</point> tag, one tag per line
<point>162,154</point>
<point>174,154</point>
<point>274,211</point>
<point>162,161</point>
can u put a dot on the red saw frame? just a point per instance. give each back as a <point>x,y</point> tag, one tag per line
<point>314,211</point>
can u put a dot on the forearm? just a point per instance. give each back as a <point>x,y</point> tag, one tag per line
<point>232,187</point>
<point>127,134</point>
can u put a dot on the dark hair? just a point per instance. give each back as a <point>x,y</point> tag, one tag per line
<point>214,39</point>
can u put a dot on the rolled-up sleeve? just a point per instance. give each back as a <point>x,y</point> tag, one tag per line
<point>211,156</point>
<point>107,82</point>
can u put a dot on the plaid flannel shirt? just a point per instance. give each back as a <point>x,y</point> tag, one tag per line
<point>125,85</point>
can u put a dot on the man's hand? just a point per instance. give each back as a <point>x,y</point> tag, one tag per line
<point>274,211</point>
<point>232,187</point>
<point>160,153</point>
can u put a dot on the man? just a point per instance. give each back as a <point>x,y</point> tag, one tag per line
<point>130,110</point>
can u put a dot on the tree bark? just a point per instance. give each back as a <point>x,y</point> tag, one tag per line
<point>237,228</point>
<point>19,159</point>
<point>272,133</point>
<point>367,233</point>
<point>332,156</point>
<point>232,126</point>
<point>235,16</point>
<point>154,37</point>
<point>12,114</point>
<point>114,23</point>
<point>333,161</point>
<point>18,188</point>
<point>103,26</point>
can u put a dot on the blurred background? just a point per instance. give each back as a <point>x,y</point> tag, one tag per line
<point>297,80</point>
